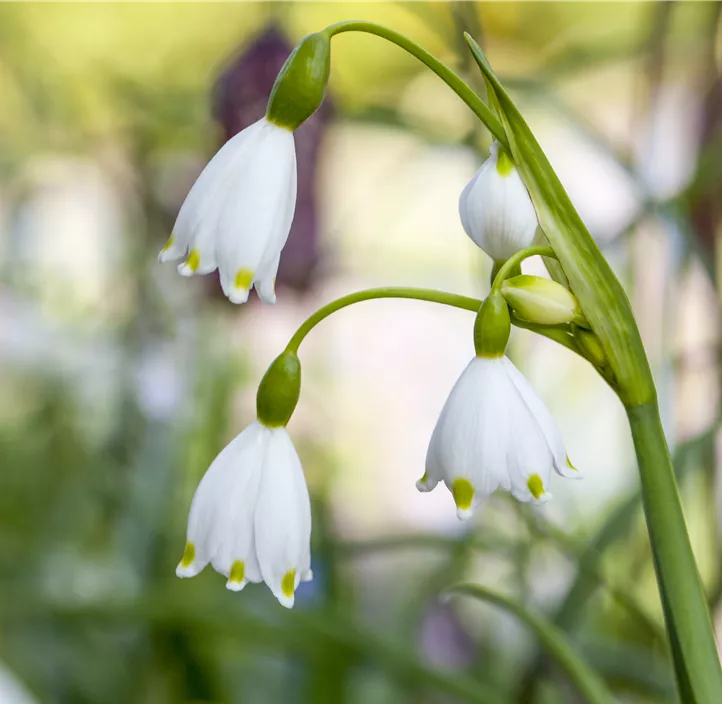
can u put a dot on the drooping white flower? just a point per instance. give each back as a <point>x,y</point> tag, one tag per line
<point>495,208</point>
<point>237,216</point>
<point>494,432</point>
<point>251,515</point>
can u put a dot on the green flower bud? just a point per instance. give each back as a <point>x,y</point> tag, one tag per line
<point>279,390</point>
<point>542,301</point>
<point>492,327</point>
<point>301,84</point>
<point>591,347</point>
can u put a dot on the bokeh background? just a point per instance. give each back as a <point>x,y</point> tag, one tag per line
<point>120,381</point>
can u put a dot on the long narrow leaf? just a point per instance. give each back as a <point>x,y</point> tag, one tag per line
<point>584,678</point>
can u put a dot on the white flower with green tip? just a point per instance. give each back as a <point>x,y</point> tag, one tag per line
<point>238,214</point>
<point>251,515</point>
<point>494,432</point>
<point>495,208</point>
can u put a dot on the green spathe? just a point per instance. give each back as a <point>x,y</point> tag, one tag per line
<point>541,300</point>
<point>492,326</point>
<point>301,84</point>
<point>279,390</point>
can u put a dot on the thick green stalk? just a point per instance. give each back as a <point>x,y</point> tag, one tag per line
<point>688,621</point>
<point>454,82</point>
<point>615,528</point>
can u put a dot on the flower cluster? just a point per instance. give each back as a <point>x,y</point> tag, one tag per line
<point>250,517</point>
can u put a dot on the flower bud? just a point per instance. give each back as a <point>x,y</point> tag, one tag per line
<point>495,208</point>
<point>591,347</point>
<point>279,390</point>
<point>492,327</point>
<point>543,301</point>
<point>301,85</point>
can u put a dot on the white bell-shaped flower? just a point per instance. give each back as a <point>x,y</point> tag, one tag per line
<point>251,515</point>
<point>237,216</point>
<point>494,432</point>
<point>495,208</point>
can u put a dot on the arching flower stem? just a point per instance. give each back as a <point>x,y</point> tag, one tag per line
<point>419,294</point>
<point>508,267</point>
<point>454,82</point>
<point>558,333</point>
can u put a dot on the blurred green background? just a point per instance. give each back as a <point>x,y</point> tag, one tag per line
<point>119,381</point>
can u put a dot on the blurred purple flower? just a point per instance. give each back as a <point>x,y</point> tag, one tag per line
<point>239,99</point>
<point>444,641</point>
<point>702,196</point>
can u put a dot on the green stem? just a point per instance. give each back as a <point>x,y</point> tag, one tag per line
<point>554,641</point>
<point>515,260</point>
<point>419,294</point>
<point>558,333</point>
<point>454,82</point>
<point>561,334</point>
<point>685,607</point>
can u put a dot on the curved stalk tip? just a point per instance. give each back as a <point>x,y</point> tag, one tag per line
<point>451,79</point>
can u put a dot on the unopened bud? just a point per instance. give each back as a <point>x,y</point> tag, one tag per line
<point>542,301</point>
<point>591,347</point>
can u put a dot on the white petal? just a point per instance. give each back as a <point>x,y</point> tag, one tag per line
<point>223,506</point>
<point>464,203</point>
<point>254,224</point>
<point>235,553</point>
<point>492,432</point>
<point>283,519</point>
<point>200,208</point>
<point>545,420</point>
<point>497,212</point>
<point>265,282</point>
<point>434,472</point>
<point>469,439</point>
<point>529,459</point>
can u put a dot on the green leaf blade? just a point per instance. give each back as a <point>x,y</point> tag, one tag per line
<point>589,684</point>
